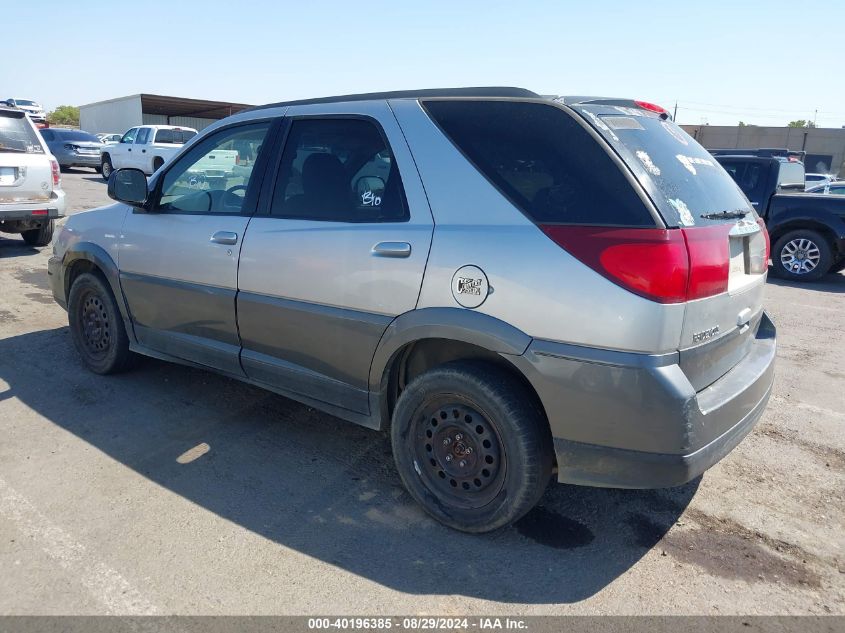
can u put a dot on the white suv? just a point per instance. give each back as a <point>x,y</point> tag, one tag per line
<point>30,194</point>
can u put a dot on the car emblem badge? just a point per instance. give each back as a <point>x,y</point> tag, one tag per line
<point>470,286</point>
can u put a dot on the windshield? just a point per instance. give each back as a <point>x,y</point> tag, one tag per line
<point>17,135</point>
<point>75,135</point>
<point>25,102</point>
<point>688,186</point>
<point>174,136</point>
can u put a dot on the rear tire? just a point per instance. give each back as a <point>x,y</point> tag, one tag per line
<point>801,255</point>
<point>96,326</point>
<point>106,167</point>
<point>41,236</point>
<point>471,446</point>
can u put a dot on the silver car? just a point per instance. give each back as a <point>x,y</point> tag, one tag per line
<point>74,148</point>
<point>516,287</point>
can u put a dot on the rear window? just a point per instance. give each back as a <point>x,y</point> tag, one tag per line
<point>543,160</point>
<point>179,137</point>
<point>685,181</point>
<point>17,135</point>
<point>75,135</point>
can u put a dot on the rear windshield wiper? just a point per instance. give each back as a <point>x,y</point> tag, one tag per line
<point>725,215</point>
<point>12,149</point>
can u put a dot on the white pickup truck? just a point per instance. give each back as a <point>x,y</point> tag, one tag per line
<point>145,147</point>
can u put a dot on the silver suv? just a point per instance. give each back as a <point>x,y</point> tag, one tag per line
<point>513,286</point>
<point>31,197</point>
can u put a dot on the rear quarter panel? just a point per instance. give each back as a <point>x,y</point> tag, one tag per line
<point>537,286</point>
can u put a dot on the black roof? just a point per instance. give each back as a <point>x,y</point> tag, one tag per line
<point>486,91</point>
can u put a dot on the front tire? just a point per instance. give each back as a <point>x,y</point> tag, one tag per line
<point>471,446</point>
<point>96,326</point>
<point>801,255</point>
<point>106,167</point>
<point>41,236</point>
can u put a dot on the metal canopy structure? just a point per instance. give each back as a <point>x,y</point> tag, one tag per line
<point>180,106</point>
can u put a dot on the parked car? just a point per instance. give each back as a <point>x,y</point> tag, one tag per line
<point>31,197</point>
<point>146,148</point>
<point>33,109</point>
<point>530,287</point>
<point>812,180</point>
<point>73,148</point>
<point>808,232</point>
<point>836,188</point>
<point>109,137</point>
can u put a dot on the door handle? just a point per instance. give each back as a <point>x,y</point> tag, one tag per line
<point>225,237</point>
<point>392,249</point>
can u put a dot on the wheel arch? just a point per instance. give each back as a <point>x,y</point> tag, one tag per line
<point>86,257</point>
<point>419,340</point>
<point>832,229</point>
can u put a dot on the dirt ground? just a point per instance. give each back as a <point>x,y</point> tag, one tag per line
<point>174,491</point>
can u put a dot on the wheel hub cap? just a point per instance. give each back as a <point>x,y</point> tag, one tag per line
<point>458,452</point>
<point>95,325</point>
<point>800,256</point>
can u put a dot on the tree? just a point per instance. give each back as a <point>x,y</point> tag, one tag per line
<point>743,124</point>
<point>64,115</point>
<point>801,123</point>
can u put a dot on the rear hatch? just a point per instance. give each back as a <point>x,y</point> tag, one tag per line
<point>25,170</point>
<point>726,243</point>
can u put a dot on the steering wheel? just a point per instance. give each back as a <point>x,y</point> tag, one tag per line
<point>234,188</point>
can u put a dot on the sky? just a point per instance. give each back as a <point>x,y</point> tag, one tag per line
<point>764,63</point>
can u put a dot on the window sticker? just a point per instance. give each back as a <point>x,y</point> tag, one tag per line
<point>690,161</point>
<point>650,167</point>
<point>369,199</point>
<point>683,211</point>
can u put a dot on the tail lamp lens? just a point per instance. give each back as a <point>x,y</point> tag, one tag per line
<point>57,174</point>
<point>663,265</point>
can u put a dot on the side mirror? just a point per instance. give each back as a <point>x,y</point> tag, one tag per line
<point>129,186</point>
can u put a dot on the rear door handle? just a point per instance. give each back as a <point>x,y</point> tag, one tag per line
<point>225,237</point>
<point>392,249</point>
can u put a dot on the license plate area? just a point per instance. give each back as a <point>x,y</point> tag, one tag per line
<point>8,176</point>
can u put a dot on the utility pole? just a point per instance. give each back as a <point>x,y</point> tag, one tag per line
<point>815,114</point>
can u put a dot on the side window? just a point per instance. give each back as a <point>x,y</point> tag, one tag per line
<point>214,176</point>
<point>542,160</point>
<point>129,137</point>
<point>143,136</point>
<point>338,170</point>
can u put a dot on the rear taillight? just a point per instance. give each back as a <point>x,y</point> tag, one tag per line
<point>759,250</point>
<point>710,258</point>
<point>57,174</point>
<point>651,107</point>
<point>40,212</point>
<point>664,265</point>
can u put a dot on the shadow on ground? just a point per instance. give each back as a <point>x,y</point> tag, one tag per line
<point>326,488</point>
<point>833,283</point>
<point>14,246</point>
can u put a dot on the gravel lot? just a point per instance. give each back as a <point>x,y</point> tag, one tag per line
<point>172,490</point>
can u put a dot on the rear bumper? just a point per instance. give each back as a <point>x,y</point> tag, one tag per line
<point>634,421</point>
<point>14,211</point>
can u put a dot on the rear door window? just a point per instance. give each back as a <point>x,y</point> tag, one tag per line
<point>338,170</point>
<point>143,136</point>
<point>749,175</point>
<point>543,160</point>
<point>178,137</point>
